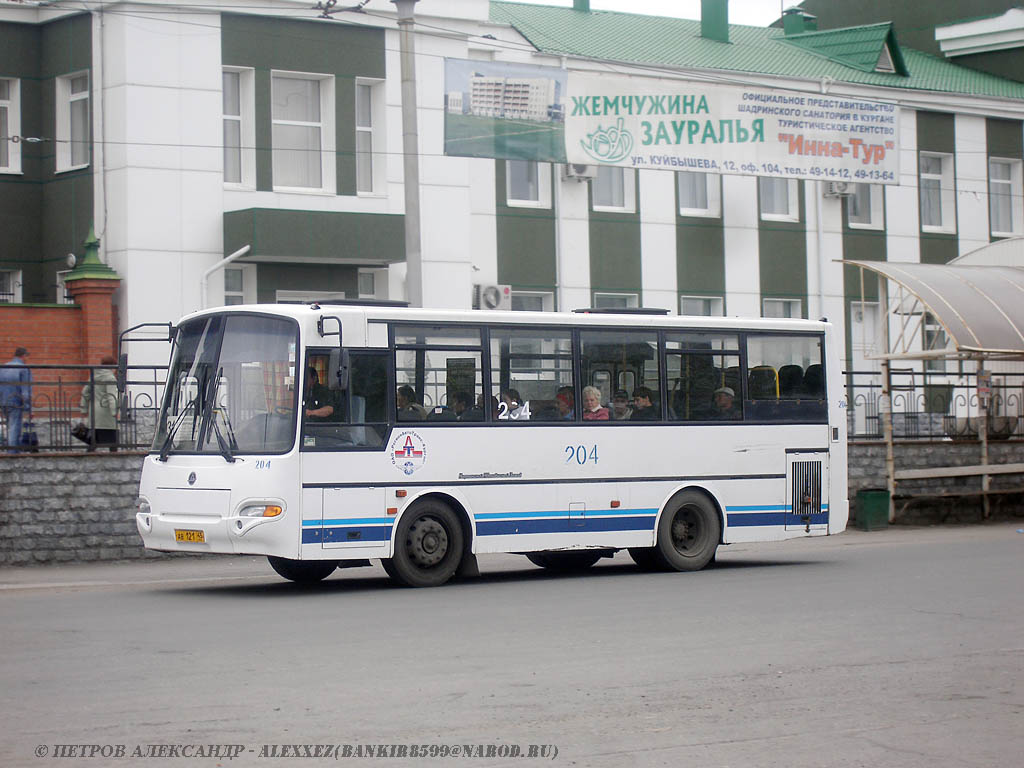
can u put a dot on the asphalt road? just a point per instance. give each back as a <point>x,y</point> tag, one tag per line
<point>902,647</point>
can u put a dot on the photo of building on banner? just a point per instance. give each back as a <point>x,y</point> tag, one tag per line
<point>505,111</point>
<point>681,125</point>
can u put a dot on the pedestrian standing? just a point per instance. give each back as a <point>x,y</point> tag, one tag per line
<point>16,396</point>
<point>99,407</point>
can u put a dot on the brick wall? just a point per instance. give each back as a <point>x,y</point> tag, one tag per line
<point>52,334</point>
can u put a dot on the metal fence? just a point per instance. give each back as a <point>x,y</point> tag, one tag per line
<point>926,405</point>
<point>934,405</point>
<point>61,419</point>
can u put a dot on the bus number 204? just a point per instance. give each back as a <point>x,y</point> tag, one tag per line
<point>581,454</point>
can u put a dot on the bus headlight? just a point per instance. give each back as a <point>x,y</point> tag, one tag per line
<point>260,510</point>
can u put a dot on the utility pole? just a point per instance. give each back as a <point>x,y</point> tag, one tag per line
<point>410,149</point>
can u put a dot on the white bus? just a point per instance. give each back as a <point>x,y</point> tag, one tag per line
<point>327,436</point>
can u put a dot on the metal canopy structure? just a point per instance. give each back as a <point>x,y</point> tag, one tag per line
<point>980,308</point>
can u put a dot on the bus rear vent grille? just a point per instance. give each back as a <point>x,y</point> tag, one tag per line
<point>806,488</point>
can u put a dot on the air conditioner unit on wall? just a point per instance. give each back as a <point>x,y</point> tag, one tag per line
<point>492,296</point>
<point>579,172</point>
<point>838,188</point>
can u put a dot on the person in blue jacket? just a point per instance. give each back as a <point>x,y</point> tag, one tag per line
<point>16,396</point>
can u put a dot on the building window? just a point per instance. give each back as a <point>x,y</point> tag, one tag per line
<point>303,136</point>
<point>72,121</point>
<point>935,339</point>
<point>239,129</point>
<point>532,301</point>
<point>10,286</point>
<point>936,190</point>
<point>63,295</point>
<point>234,286</point>
<point>368,135</point>
<point>700,194</point>
<point>864,207</point>
<point>616,301</point>
<point>1004,195</point>
<point>10,126</point>
<point>614,189</point>
<point>780,199</point>
<point>702,306</point>
<point>527,184</point>
<point>781,308</point>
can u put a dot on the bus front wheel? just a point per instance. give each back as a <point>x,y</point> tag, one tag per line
<point>303,571</point>
<point>688,533</point>
<point>428,546</point>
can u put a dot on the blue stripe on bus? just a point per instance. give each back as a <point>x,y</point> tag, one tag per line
<point>341,534</point>
<point>349,521</point>
<point>563,513</point>
<point>566,525</point>
<point>774,518</point>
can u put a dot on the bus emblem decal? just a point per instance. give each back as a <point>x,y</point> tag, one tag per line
<point>408,452</point>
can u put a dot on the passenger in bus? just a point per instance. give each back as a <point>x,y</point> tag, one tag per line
<point>409,408</point>
<point>464,407</point>
<point>644,408</point>
<point>565,401</point>
<point>725,405</point>
<point>317,400</point>
<point>592,408</point>
<point>620,406</point>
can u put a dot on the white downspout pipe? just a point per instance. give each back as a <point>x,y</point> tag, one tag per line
<point>219,265</point>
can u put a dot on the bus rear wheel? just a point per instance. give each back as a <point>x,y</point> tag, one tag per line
<point>566,562</point>
<point>303,571</point>
<point>688,533</point>
<point>428,546</point>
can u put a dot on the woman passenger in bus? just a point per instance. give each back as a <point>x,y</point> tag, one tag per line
<point>592,408</point>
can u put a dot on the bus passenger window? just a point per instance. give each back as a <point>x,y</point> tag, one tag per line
<point>626,357</point>
<point>531,375</point>
<point>784,378</point>
<point>703,376</point>
<point>443,364</point>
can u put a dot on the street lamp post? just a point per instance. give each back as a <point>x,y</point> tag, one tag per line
<point>410,149</point>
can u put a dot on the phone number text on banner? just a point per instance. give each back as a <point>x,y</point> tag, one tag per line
<point>677,125</point>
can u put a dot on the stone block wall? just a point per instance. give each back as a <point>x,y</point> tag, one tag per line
<point>69,508</point>
<point>867,470</point>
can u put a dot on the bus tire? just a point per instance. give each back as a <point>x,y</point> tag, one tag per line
<point>688,532</point>
<point>566,562</point>
<point>302,571</point>
<point>428,546</point>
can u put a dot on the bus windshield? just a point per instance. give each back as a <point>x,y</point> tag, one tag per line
<point>230,387</point>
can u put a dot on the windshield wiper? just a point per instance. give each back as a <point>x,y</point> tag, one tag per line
<point>226,448</point>
<point>165,449</point>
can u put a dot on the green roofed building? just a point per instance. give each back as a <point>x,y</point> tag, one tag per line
<point>690,164</point>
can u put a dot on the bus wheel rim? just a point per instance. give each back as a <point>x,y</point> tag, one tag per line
<point>428,542</point>
<point>686,531</point>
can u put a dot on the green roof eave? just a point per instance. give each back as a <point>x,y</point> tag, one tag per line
<point>676,45</point>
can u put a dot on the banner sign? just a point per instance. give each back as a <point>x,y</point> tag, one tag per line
<point>526,112</point>
<point>503,110</point>
<point>679,125</point>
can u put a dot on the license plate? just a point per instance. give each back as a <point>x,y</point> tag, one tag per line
<point>193,537</point>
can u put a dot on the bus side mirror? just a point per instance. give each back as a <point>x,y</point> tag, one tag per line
<point>122,372</point>
<point>339,367</point>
